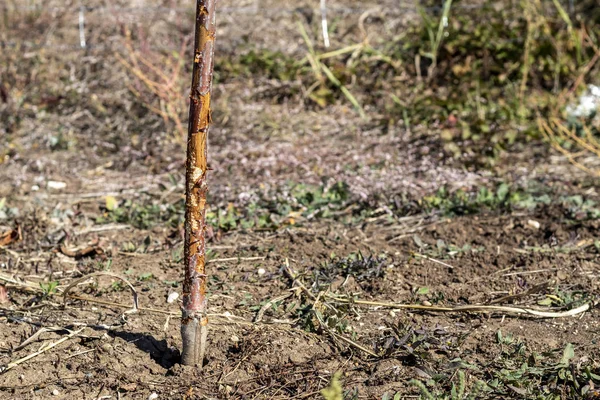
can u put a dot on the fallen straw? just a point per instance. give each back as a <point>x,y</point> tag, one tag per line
<point>85,278</point>
<point>473,308</point>
<point>40,351</point>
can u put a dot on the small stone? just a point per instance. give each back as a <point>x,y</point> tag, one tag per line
<point>392,314</point>
<point>261,271</point>
<point>172,297</point>
<point>55,392</point>
<point>427,303</point>
<point>56,185</point>
<point>153,396</point>
<point>35,188</point>
<point>533,223</point>
<point>562,275</point>
<point>234,338</point>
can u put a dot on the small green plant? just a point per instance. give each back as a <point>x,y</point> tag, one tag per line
<point>388,396</point>
<point>48,288</point>
<point>117,286</point>
<point>106,265</point>
<point>538,376</point>
<point>146,276</point>
<point>504,198</point>
<point>458,389</point>
<point>284,206</point>
<point>59,142</point>
<point>435,36</point>
<point>143,216</point>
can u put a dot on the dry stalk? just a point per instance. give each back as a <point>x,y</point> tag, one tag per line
<point>42,350</point>
<point>434,260</point>
<point>214,260</point>
<point>558,133</point>
<point>466,309</point>
<point>261,312</point>
<point>95,274</point>
<point>155,84</point>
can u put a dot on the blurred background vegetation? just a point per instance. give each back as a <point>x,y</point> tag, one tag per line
<point>483,76</point>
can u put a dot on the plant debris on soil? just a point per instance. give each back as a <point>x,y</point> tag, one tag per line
<point>408,213</point>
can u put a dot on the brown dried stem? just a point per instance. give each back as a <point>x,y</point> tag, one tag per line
<point>194,321</point>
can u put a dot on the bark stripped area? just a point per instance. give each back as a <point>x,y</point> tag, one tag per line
<point>194,322</point>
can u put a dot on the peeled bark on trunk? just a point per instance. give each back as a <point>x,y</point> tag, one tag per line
<point>194,321</point>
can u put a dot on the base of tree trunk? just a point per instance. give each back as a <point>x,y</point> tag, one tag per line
<point>194,334</point>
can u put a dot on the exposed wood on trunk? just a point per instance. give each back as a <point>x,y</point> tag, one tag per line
<point>194,322</point>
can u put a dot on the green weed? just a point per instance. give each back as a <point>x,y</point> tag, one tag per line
<point>143,216</point>
<point>48,288</point>
<point>539,376</point>
<point>458,390</point>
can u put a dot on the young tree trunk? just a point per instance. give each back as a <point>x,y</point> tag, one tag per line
<point>194,321</point>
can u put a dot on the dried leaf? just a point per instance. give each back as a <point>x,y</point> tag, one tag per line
<point>517,390</point>
<point>14,235</point>
<point>3,295</point>
<point>80,252</point>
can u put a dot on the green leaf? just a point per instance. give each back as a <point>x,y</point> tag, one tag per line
<point>423,290</point>
<point>111,203</point>
<point>545,302</point>
<point>146,276</point>
<point>568,354</point>
<point>502,192</point>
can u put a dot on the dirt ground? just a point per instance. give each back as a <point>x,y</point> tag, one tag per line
<point>324,223</point>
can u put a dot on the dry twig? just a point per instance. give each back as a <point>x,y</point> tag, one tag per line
<point>472,309</point>
<point>42,350</point>
<point>85,278</point>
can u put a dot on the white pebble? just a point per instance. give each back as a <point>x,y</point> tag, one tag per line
<point>153,396</point>
<point>35,188</point>
<point>227,314</point>
<point>534,224</point>
<point>55,392</point>
<point>172,297</point>
<point>261,271</point>
<point>56,185</point>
